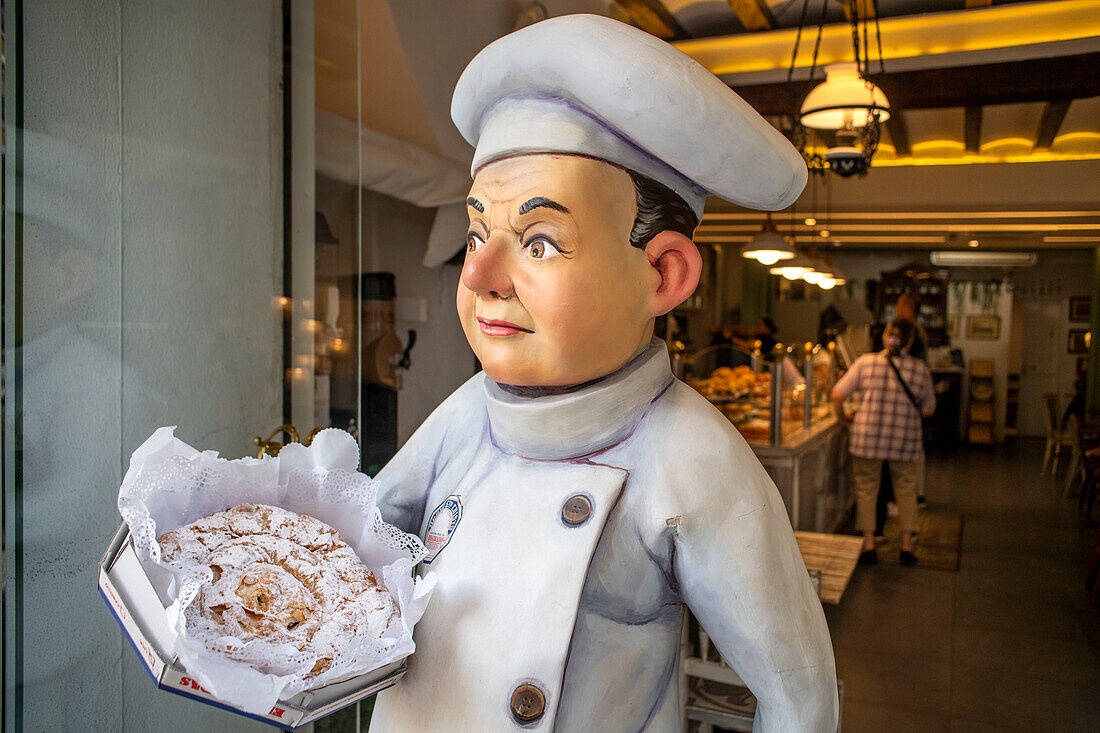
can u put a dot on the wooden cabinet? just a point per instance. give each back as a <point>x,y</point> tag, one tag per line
<point>928,284</point>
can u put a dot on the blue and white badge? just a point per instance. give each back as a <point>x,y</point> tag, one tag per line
<point>441,525</point>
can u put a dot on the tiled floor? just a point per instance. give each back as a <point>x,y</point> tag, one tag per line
<point>1009,642</point>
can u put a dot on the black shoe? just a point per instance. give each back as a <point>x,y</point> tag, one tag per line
<point>868,557</point>
<point>907,558</point>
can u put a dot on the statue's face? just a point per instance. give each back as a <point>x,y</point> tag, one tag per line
<point>552,293</point>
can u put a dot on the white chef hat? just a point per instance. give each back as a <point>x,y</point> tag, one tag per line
<point>592,86</point>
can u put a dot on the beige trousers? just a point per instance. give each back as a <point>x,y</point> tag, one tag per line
<point>867,475</point>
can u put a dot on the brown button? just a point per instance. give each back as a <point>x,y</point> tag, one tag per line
<point>576,510</point>
<point>528,703</point>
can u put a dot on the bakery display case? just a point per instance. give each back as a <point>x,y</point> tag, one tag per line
<point>780,404</point>
<point>772,400</point>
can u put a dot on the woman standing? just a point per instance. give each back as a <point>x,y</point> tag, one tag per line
<point>895,391</point>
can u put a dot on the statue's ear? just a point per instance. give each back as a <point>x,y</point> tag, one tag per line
<point>677,260</point>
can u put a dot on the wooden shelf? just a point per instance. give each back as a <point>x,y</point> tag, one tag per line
<point>980,410</point>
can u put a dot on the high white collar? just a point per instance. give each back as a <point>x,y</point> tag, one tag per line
<point>560,427</point>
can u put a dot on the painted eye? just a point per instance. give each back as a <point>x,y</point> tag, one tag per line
<point>540,248</point>
<point>473,242</point>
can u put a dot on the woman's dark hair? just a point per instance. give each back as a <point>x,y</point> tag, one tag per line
<point>659,209</point>
<point>901,331</point>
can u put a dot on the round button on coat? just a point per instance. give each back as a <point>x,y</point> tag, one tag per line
<point>528,703</point>
<point>576,510</point>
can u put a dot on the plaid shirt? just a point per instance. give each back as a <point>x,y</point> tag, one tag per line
<point>887,425</point>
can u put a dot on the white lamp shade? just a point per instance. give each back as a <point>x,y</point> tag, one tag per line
<point>843,98</point>
<point>792,269</point>
<point>768,248</point>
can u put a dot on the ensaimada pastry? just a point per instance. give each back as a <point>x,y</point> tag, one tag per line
<point>280,577</point>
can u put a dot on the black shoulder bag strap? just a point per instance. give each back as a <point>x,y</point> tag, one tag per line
<point>904,386</point>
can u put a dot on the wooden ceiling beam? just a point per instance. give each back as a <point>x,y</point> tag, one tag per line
<point>1035,80</point>
<point>978,3</point>
<point>864,9</point>
<point>899,134</point>
<point>755,15</point>
<point>653,18</point>
<point>1053,114</point>
<point>972,130</point>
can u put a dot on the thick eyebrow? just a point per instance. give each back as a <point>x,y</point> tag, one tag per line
<point>531,204</point>
<point>476,204</point>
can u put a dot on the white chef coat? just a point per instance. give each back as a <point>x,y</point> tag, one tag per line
<point>682,514</point>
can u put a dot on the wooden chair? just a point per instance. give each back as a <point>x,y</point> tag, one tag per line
<point>1058,438</point>
<point>711,692</point>
<point>1086,437</point>
<point>1087,499</point>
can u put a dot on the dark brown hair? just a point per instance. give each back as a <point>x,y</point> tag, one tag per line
<point>905,331</point>
<point>659,209</point>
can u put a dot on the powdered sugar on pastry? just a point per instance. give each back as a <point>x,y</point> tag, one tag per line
<point>281,578</point>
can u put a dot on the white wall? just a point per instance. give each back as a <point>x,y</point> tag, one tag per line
<point>965,301</point>
<point>1043,293</point>
<point>152,234</point>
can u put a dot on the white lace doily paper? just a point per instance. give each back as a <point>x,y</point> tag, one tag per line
<point>170,484</point>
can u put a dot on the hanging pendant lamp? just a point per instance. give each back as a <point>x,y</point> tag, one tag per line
<point>768,247</point>
<point>843,100</point>
<point>793,269</point>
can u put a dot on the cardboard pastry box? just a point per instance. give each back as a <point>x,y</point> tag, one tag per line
<point>133,598</point>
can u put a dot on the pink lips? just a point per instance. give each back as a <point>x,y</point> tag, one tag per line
<point>500,328</point>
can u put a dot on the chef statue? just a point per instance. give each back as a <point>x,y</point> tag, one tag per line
<point>575,497</point>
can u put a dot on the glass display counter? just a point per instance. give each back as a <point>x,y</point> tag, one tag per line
<point>781,407</point>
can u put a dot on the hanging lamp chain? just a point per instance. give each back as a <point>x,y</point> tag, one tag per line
<point>853,21</point>
<point>878,37</point>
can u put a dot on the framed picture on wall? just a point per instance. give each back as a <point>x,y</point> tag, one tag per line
<point>952,327</point>
<point>983,328</point>
<point>1079,308</point>
<point>1078,342</point>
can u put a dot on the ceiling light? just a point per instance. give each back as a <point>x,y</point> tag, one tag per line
<point>791,272</point>
<point>792,269</point>
<point>844,99</point>
<point>813,277</point>
<point>825,233</point>
<point>982,258</point>
<point>972,243</point>
<point>827,283</point>
<point>767,248</point>
<point>810,221</point>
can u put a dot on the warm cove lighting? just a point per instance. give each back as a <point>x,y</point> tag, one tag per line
<point>910,36</point>
<point>768,248</point>
<point>844,99</point>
